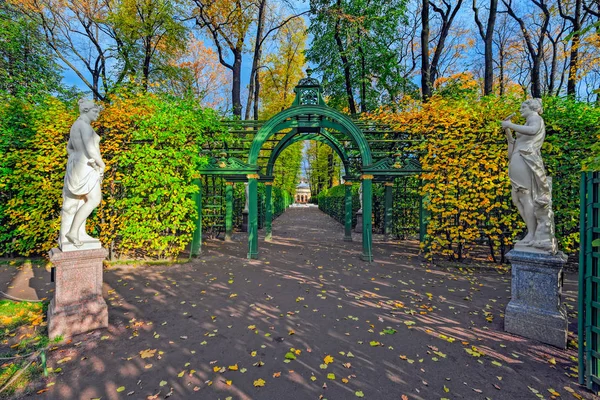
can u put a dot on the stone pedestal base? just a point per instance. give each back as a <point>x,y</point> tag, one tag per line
<point>535,310</point>
<point>78,305</point>
<point>244,221</point>
<point>359,222</point>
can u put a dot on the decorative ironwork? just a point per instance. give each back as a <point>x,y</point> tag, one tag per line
<point>309,96</point>
<point>308,81</point>
<point>396,166</point>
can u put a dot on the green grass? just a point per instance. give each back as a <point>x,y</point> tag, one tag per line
<point>23,332</point>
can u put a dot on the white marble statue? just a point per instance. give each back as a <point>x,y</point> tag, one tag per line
<point>82,187</point>
<point>360,198</point>
<point>531,189</point>
<point>246,210</point>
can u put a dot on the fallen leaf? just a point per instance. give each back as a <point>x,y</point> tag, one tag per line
<point>259,383</point>
<point>147,353</point>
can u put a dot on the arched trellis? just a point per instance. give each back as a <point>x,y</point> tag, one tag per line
<point>309,118</point>
<point>295,137</point>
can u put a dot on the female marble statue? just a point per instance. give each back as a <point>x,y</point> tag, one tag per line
<point>85,169</point>
<point>360,198</point>
<point>530,186</point>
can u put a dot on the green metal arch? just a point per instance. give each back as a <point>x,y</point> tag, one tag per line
<point>344,122</point>
<point>294,137</point>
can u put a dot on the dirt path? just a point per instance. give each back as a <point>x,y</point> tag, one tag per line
<point>219,326</point>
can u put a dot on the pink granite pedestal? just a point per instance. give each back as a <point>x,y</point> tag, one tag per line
<point>78,305</point>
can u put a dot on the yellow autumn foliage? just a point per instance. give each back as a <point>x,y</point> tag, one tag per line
<point>465,178</point>
<point>150,144</point>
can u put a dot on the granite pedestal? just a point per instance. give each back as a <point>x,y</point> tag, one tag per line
<point>244,221</point>
<point>78,305</point>
<point>535,310</point>
<point>359,222</point>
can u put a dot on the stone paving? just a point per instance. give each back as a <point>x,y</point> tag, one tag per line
<point>308,320</point>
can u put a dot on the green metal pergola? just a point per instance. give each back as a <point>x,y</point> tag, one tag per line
<point>369,152</point>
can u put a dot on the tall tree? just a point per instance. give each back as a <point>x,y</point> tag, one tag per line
<point>27,64</point>
<point>202,76</point>
<point>572,11</point>
<point>426,83</point>
<point>354,48</point>
<point>534,39</point>
<point>447,13</point>
<point>150,29</point>
<point>254,87</point>
<point>228,23</point>
<point>283,69</point>
<point>75,31</point>
<point>487,35</point>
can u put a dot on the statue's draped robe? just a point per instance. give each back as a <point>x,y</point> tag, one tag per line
<point>80,177</point>
<point>536,181</point>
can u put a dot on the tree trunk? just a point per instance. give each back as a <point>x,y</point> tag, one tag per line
<point>488,77</point>
<point>574,56</point>
<point>425,67</point>
<point>256,94</point>
<point>536,85</point>
<point>252,89</point>
<point>363,83</point>
<point>146,65</point>
<point>501,73</point>
<point>347,75</point>
<point>236,99</point>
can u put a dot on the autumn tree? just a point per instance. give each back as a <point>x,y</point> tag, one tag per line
<point>508,49</point>
<point>150,32</point>
<point>283,69</point>
<point>263,33</point>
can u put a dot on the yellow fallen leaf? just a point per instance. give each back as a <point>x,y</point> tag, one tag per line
<point>553,392</point>
<point>147,353</point>
<point>328,359</point>
<point>259,383</point>
<point>233,367</point>
<point>228,383</point>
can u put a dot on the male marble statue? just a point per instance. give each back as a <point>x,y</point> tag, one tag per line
<point>83,179</point>
<point>531,188</point>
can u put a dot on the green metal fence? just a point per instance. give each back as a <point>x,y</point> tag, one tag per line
<point>589,282</point>
<point>213,205</point>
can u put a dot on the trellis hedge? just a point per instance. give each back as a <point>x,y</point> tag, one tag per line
<point>213,212</point>
<point>150,145</point>
<point>466,187</point>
